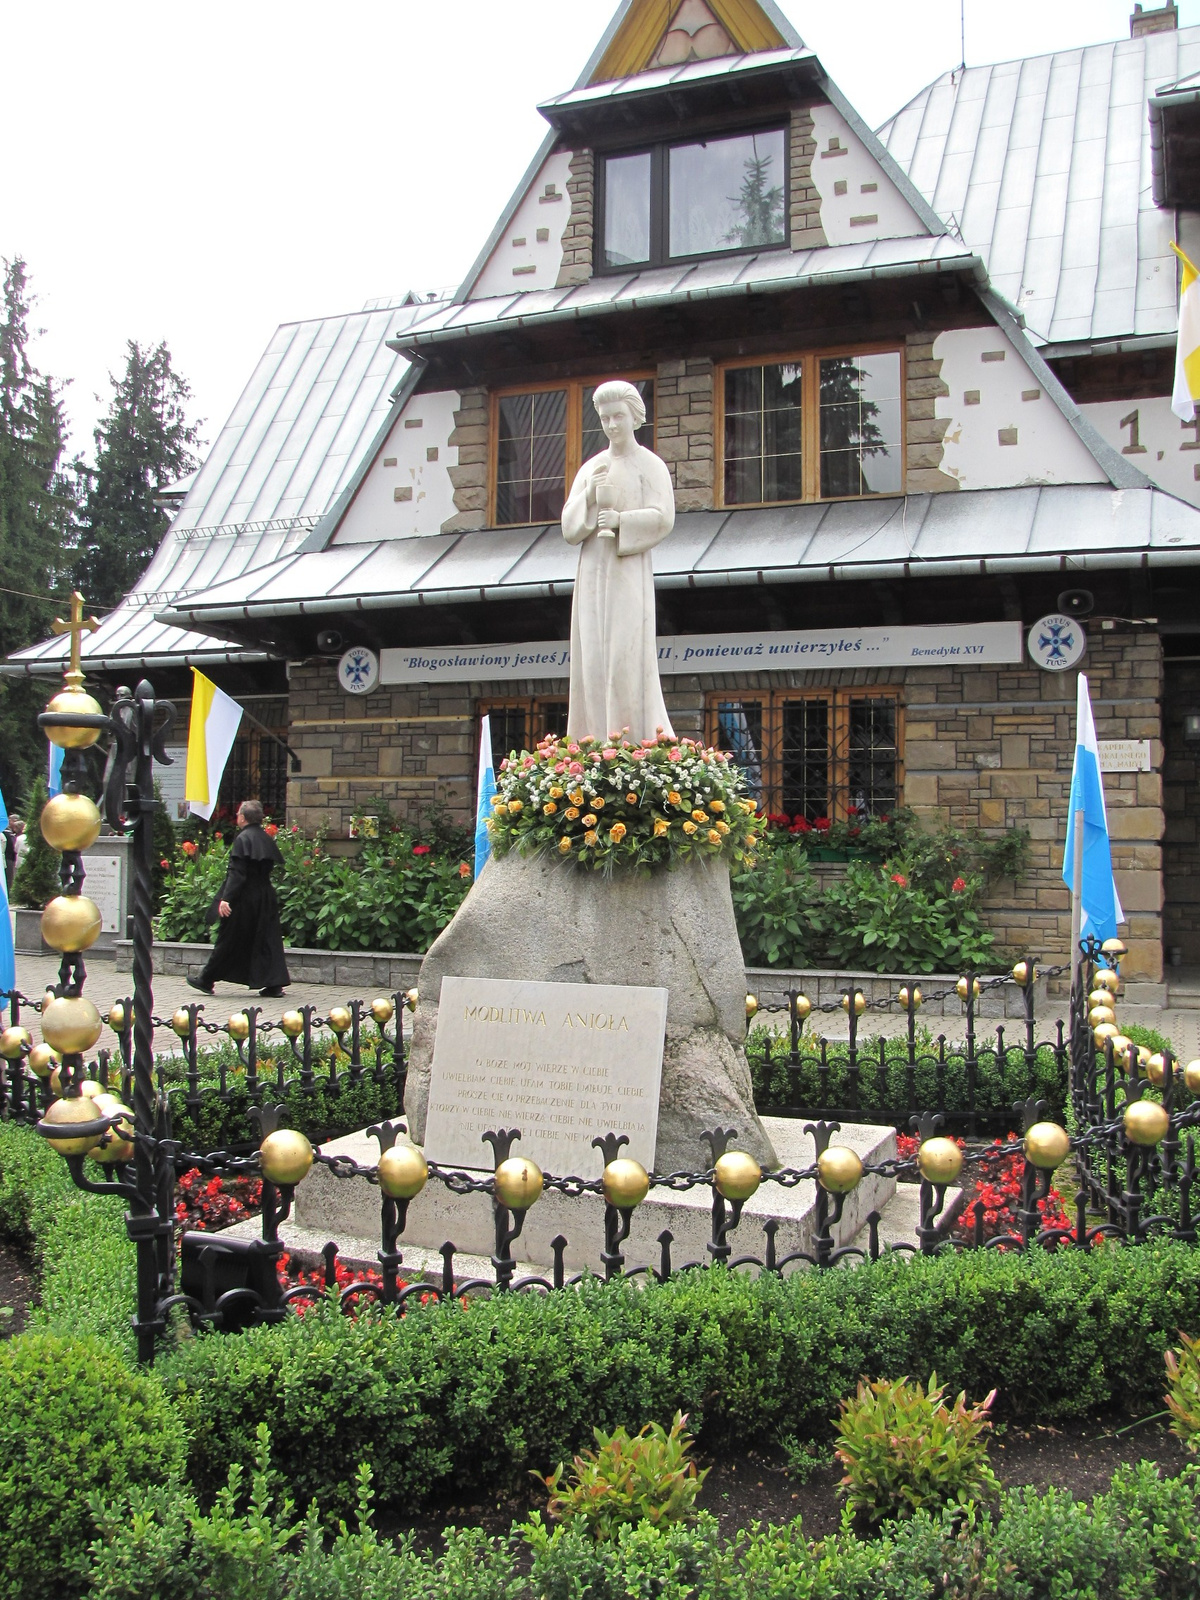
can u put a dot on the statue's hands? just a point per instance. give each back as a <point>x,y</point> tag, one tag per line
<point>608,521</point>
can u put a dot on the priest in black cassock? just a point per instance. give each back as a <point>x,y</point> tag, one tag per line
<point>249,947</point>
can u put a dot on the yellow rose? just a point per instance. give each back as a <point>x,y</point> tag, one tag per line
<point>549,808</point>
<point>689,827</point>
<point>571,813</point>
<point>598,803</point>
<point>751,838</point>
<point>498,800</point>
<point>617,832</point>
<point>590,820</point>
<point>750,860</point>
<point>713,836</point>
<point>747,806</point>
<point>515,807</point>
<point>556,793</point>
<point>564,845</point>
<point>576,797</point>
<point>722,827</point>
<point>716,805</point>
<point>699,816</point>
<point>631,799</point>
<point>591,837</point>
<point>673,798</point>
<point>660,827</point>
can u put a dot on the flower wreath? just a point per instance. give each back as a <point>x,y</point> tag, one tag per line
<point>608,803</point>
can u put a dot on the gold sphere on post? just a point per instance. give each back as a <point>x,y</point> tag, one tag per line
<point>1024,973</point>
<point>939,1160</point>
<point>70,822</point>
<point>1047,1145</point>
<point>1143,1056</point>
<point>801,1007</point>
<point>42,1060</point>
<point>91,1088</point>
<point>859,1001</point>
<point>737,1175</point>
<point>74,703</point>
<point>1099,1014</point>
<point>751,1006</point>
<point>71,922</point>
<point>904,995</point>
<point>116,1017</point>
<point>1114,949</point>
<point>626,1183</point>
<point>14,1042</point>
<point>117,1148</point>
<point>839,1169</point>
<point>1191,1076</point>
<point>411,997</point>
<point>292,1024</point>
<point>1121,1048</point>
<point>286,1156</point>
<point>403,1172</point>
<point>71,1024</point>
<point>1108,978</point>
<point>1100,997</point>
<point>518,1183</point>
<point>382,1010</point>
<point>1106,1030</point>
<point>55,1081</point>
<point>63,1113</point>
<point>238,1026</point>
<point>340,1018</point>
<point>967,986</point>
<point>1145,1122</point>
<point>1156,1067</point>
<point>181,1022</point>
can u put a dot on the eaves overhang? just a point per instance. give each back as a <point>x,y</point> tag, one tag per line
<point>1175,144</point>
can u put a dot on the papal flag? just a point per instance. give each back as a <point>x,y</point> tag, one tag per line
<point>483,796</point>
<point>1100,906</point>
<point>211,732</point>
<point>1187,352</point>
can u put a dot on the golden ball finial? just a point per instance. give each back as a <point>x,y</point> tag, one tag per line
<point>518,1183</point>
<point>737,1175</point>
<point>71,1024</point>
<point>626,1183</point>
<point>70,822</point>
<point>939,1160</point>
<point>286,1156</point>
<point>65,1113</point>
<point>1146,1123</point>
<point>340,1018</point>
<point>382,1010</point>
<point>14,1042</point>
<point>292,1023</point>
<point>1047,1145</point>
<point>403,1172</point>
<point>839,1169</point>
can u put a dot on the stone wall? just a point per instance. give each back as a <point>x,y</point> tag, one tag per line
<point>683,429</point>
<point>578,235</point>
<point>924,429</point>
<point>983,747</point>
<point>470,476</point>
<point>805,203</point>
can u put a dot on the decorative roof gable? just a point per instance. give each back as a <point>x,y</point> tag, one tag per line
<point>646,35</point>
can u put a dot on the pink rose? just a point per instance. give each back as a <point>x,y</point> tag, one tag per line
<point>572,749</point>
<point>504,765</point>
<point>560,766</point>
<point>421,849</point>
<point>674,755</point>
<point>649,744</point>
<point>637,755</point>
<point>575,768</point>
<point>610,754</point>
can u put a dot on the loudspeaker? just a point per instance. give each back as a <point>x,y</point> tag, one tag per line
<point>329,642</point>
<point>1076,602</point>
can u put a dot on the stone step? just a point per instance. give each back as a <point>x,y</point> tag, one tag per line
<point>347,1208</point>
<point>900,1216</point>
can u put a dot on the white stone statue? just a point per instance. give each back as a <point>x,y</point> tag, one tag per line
<point>620,506</point>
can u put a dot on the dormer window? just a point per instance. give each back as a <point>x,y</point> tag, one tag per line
<point>699,197</point>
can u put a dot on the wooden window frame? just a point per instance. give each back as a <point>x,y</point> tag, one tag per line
<point>528,704</point>
<point>575,388</point>
<point>660,196</point>
<point>839,699</point>
<point>810,422</point>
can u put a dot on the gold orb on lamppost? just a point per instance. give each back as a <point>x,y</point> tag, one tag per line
<point>286,1156</point>
<point>71,1024</point>
<point>518,1183</point>
<point>403,1172</point>
<point>70,822</point>
<point>625,1182</point>
<point>65,1113</point>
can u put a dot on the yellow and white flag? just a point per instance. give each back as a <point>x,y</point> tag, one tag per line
<point>211,732</point>
<point>1187,351</point>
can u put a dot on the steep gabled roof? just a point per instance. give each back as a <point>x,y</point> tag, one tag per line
<point>633,41</point>
<point>1043,165</point>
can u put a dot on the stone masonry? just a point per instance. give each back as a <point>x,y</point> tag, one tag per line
<point>924,430</point>
<point>804,218</point>
<point>683,430</point>
<point>983,747</point>
<point>469,477</point>
<point>577,237</point>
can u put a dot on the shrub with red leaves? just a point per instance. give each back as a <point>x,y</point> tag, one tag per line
<point>999,1187</point>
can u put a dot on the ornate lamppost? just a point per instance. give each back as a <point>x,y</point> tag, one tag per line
<point>84,1121</point>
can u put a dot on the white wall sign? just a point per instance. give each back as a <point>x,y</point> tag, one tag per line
<point>1124,755</point>
<point>983,644</point>
<point>358,670</point>
<point>102,883</point>
<point>1057,642</point>
<point>171,781</point>
<point>562,1062</point>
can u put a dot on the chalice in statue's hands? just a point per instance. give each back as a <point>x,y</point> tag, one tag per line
<point>608,519</point>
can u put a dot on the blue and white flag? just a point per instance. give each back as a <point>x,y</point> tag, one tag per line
<point>1100,907</point>
<point>54,776</point>
<point>8,960</point>
<point>484,793</point>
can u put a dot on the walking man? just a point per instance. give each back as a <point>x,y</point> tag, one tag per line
<point>249,944</point>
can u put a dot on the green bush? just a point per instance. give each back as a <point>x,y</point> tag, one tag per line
<point>74,1421</point>
<point>36,879</point>
<point>905,1450</point>
<point>650,1477</point>
<point>468,1399</point>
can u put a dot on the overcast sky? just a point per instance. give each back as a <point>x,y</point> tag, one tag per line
<point>201,173</point>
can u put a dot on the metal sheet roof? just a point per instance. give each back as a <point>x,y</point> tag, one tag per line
<point>318,396</point>
<point>1067,526</point>
<point>771,271</point>
<point>1043,165</point>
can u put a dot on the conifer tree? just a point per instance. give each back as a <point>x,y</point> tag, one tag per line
<point>37,874</point>
<point>144,443</point>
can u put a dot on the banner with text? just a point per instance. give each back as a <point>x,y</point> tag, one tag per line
<point>977,644</point>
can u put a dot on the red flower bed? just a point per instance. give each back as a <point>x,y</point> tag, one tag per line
<point>293,1276</point>
<point>997,1182</point>
<point>209,1203</point>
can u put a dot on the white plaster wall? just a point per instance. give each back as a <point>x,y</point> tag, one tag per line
<point>508,269</point>
<point>895,218</point>
<point>1169,452</point>
<point>425,424</point>
<point>1010,401</point>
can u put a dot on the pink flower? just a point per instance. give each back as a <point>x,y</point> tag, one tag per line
<point>572,749</point>
<point>527,763</point>
<point>575,768</point>
<point>959,885</point>
<point>188,847</point>
<point>271,830</point>
<point>899,878</point>
<point>504,765</point>
<point>421,849</point>
<point>610,754</point>
<point>560,766</point>
<point>674,755</point>
<point>637,755</point>
<point>649,744</point>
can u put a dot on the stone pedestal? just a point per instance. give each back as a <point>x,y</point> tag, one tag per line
<point>543,920</point>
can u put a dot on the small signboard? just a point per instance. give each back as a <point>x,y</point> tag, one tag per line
<point>1124,755</point>
<point>1057,642</point>
<point>172,782</point>
<point>563,1062</point>
<point>103,883</point>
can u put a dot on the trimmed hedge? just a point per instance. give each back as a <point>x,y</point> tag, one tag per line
<point>469,1399</point>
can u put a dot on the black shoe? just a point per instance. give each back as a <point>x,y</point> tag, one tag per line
<point>201,988</point>
<point>272,994</point>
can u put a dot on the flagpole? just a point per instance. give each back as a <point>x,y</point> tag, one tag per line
<point>1076,892</point>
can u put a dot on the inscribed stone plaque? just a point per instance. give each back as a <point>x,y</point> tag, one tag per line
<point>562,1062</point>
<point>102,883</point>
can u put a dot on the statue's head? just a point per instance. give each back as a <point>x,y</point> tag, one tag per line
<point>620,408</point>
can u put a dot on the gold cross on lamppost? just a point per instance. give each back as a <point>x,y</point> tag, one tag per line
<point>76,627</point>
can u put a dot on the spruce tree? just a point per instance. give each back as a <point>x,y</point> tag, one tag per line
<point>37,874</point>
<point>144,443</point>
